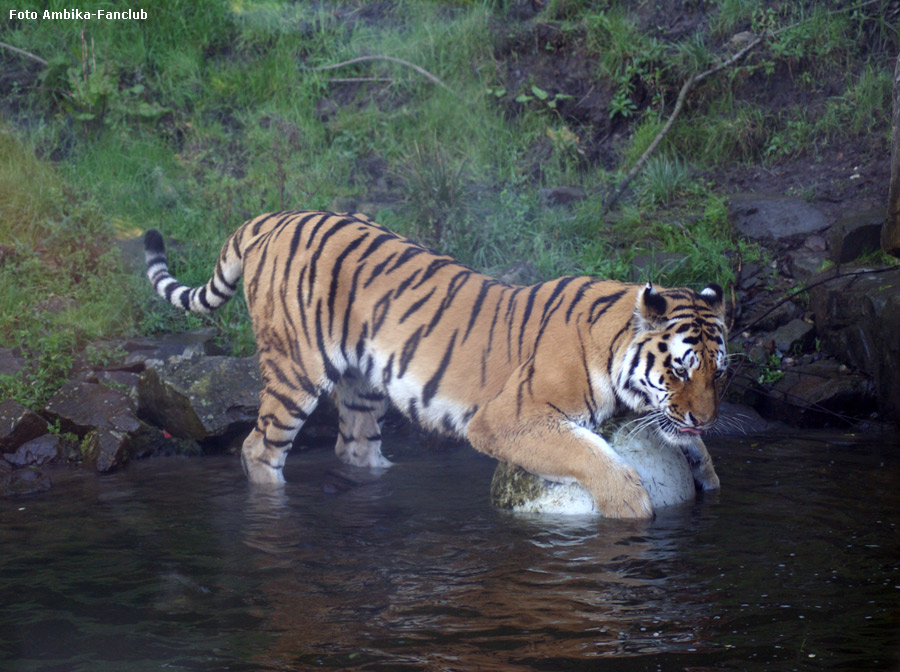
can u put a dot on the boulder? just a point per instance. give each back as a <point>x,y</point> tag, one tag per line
<point>10,364</point>
<point>36,452</point>
<point>23,482</point>
<point>664,471</point>
<point>562,195</point>
<point>821,393</point>
<point>794,334</point>
<point>18,425</point>
<point>82,407</point>
<point>855,235</point>
<point>858,322</point>
<point>766,217</point>
<point>155,350</point>
<point>201,398</point>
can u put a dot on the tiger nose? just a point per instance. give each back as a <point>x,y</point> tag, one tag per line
<point>702,419</point>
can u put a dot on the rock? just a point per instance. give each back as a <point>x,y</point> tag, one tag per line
<point>82,407</point>
<point>153,350</point>
<point>36,452</point>
<point>18,425</point>
<point>804,262</point>
<point>105,449</point>
<point>562,195</point>
<point>647,267</point>
<point>201,398</point>
<point>858,322</point>
<point>855,235</point>
<point>344,204</point>
<point>768,318</point>
<point>795,333</point>
<point>773,218</point>
<point>10,364</point>
<point>821,393</point>
<point>23,482</point>
<point>520,273</point>
<point>664,470</point>
<point>739,419</point>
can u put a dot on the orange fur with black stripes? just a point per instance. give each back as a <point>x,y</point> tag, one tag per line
<point>340,305</point>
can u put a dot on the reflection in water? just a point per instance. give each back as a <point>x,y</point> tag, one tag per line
<point>180,564</point>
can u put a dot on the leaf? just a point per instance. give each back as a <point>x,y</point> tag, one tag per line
<point>523,98</point>
<point>539,93</point>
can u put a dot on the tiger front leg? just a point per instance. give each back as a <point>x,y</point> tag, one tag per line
<point>557,449</point>
<point>704,473</point>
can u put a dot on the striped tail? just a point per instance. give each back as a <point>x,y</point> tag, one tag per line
<point>204,299</point>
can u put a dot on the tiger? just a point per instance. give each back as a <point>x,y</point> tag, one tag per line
<point>340,305</point>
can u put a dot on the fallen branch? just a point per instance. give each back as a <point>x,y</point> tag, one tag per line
<point>692,81</point>
<point>686,88</point>
<point>806,288</point>
<point>391,59</point>
<point>22,52</point>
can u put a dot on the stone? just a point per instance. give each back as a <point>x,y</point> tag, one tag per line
<point>154,350</point>
<point>766,217</point>
<point>520,273</point>
<point>664,471</point>
<point>805,263</point>
<point>795,333</point>
<point>646,267</point>
<point>562,195</point>
<point>821,393</point>
<point>18,424</point>
<point>769,318</point>
<point>23,482</point>
<point>201,398</point>
<point>858,321</point>
<point>10,364</point>
<point>36,452</point>
<point>105,449</point>
<point>82,407</point>
<point>855,235</point>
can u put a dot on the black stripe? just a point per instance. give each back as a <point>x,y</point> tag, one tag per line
<point>409,349</point>
<point>415,306</point>
<point>345,327</point>
<point>376,271</point>
<point>431,386</point>
<point>409,253</point>
<point>456,284</point>
<point>405,284</point>
<point>601,305</point>
<point>578,296</point>
<point>337,226</point>
<point>529,306</point>
<point>476,309</point>
<point>379,312</point>
<point>377,242</point>
<point>331,370</point>
<point>335,277</point>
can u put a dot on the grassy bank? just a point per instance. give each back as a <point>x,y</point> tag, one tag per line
<point>207,113</point>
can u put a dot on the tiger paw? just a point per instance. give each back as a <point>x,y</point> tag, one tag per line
<point>628,500</point>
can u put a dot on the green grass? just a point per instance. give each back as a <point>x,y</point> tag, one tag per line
<point>211,112</point>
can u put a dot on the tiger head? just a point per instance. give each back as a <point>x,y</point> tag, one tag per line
<point>677,356</point>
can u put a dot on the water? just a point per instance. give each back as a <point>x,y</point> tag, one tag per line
<point>175,564</point>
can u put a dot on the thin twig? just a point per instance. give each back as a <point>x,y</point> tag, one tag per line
<point>692,81</point>
<point>22,52</point>
<point>806,288</point>
<point>349,80</point>
<point>392,59</point>
<point>682,96</point>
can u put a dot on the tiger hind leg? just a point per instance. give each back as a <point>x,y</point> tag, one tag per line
<point>266,447</point>
<point>361,408</point>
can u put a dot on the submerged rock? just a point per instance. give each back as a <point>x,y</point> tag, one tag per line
<point>664,470</point>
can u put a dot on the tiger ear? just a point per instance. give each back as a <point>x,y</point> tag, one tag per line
<point>650,309</point>
<point>713,295</point>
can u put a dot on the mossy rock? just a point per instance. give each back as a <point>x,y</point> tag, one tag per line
<point>664,471</point>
